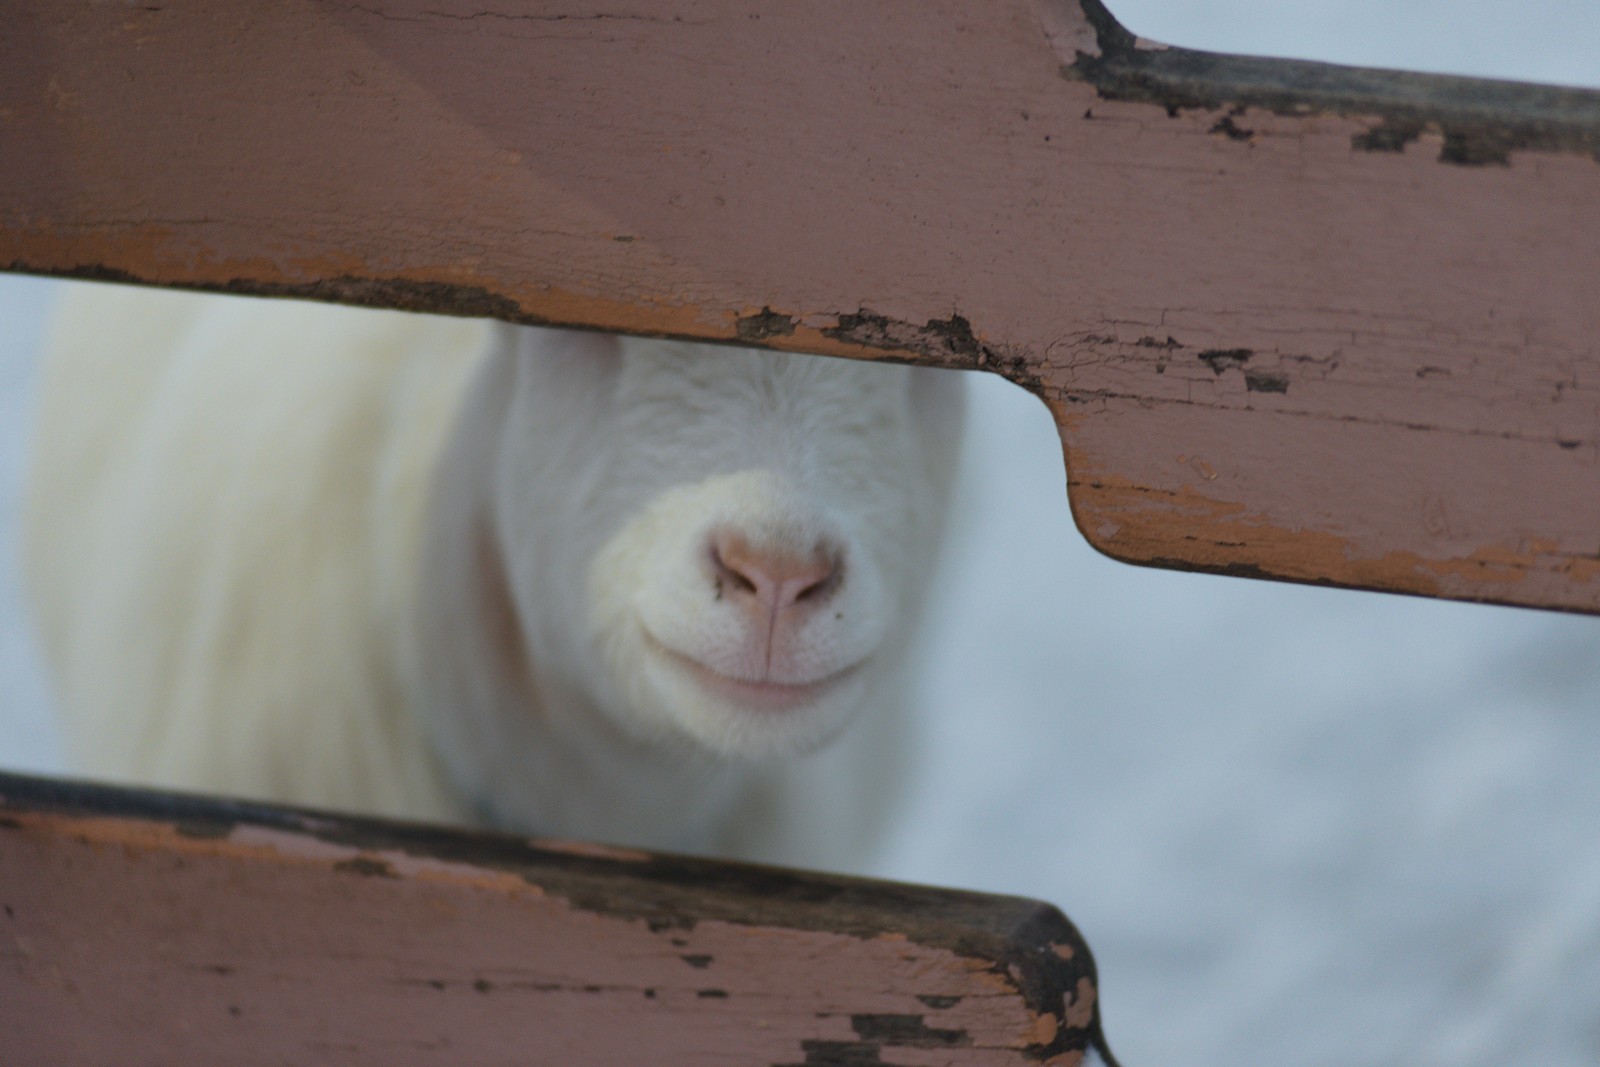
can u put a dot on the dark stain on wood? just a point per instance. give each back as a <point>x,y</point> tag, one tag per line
<point>762,325</point>
<point>1390,135</point>
<point>367,866</point>
<point>1221,359</point>
<point>698,961</point>
<point>1264,382</point>
<point>906,1031</point>
<point>712,994</point>
<point>939,1003</point>
<point>1235,569</point>
<point>1483,147</point>
<point>441,298</point>
<point>1230,129</point>
<point>943,342</point>
<point>837,1054</point>
<point>484,985</point>
<point>878,1032</point>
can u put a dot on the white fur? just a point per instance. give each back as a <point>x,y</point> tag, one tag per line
<point>449,568</point>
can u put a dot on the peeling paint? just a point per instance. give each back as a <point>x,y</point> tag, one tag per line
<point>1221,359</point>
<point>762,325</point>
<point>1080,1006</point>
<point>367,866</point>
<point>1045,1029</point>
<point>1226,127</point>
<point>1481,121</point>
<point>1264,382</point>
<point>943,342</point>
<point>907,1031</point>
<point>1389,135</point>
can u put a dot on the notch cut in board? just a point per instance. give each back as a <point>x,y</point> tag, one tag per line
<point>1294,320</point>
<point>155,927</point>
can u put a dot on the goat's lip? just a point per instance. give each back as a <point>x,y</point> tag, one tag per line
<point>764,696</point>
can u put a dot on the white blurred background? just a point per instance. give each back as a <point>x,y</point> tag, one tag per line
<point>1299,826</point>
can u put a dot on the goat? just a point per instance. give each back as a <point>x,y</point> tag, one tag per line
<point>557,582</point>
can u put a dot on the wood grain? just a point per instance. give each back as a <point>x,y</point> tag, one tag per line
<point>1294,320</point>
<point>140,927</point>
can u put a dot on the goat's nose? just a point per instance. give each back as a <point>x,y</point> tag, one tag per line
<point>776,578</point>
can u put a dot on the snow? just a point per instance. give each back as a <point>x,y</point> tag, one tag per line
<point>1299,826</point>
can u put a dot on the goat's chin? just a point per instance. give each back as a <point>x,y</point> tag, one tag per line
<point>748,720</point>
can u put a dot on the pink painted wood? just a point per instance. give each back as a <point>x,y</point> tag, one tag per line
<point>1294,321</point>
<point>149,928</point>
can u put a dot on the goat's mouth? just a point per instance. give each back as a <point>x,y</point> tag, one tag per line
<point>765,696</point>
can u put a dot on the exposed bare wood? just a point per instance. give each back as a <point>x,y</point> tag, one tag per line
<point>1294,320</point>
<point>151,928</point>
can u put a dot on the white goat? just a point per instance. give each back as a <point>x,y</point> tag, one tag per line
<point>563,583</point>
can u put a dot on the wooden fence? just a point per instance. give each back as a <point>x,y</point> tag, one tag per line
<point>1294,321</point>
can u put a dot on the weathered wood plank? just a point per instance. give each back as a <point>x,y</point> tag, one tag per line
<point>1294,320</point>
<point>140,927</point>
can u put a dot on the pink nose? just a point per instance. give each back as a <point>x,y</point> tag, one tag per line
<point>776,579</point>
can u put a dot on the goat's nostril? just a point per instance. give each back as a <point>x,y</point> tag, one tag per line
<point>819,589</point>
<point>730,572</point>
<point>775,577</point>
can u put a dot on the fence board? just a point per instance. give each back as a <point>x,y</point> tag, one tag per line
<point>1294,320</point>
<point>141,927</point>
